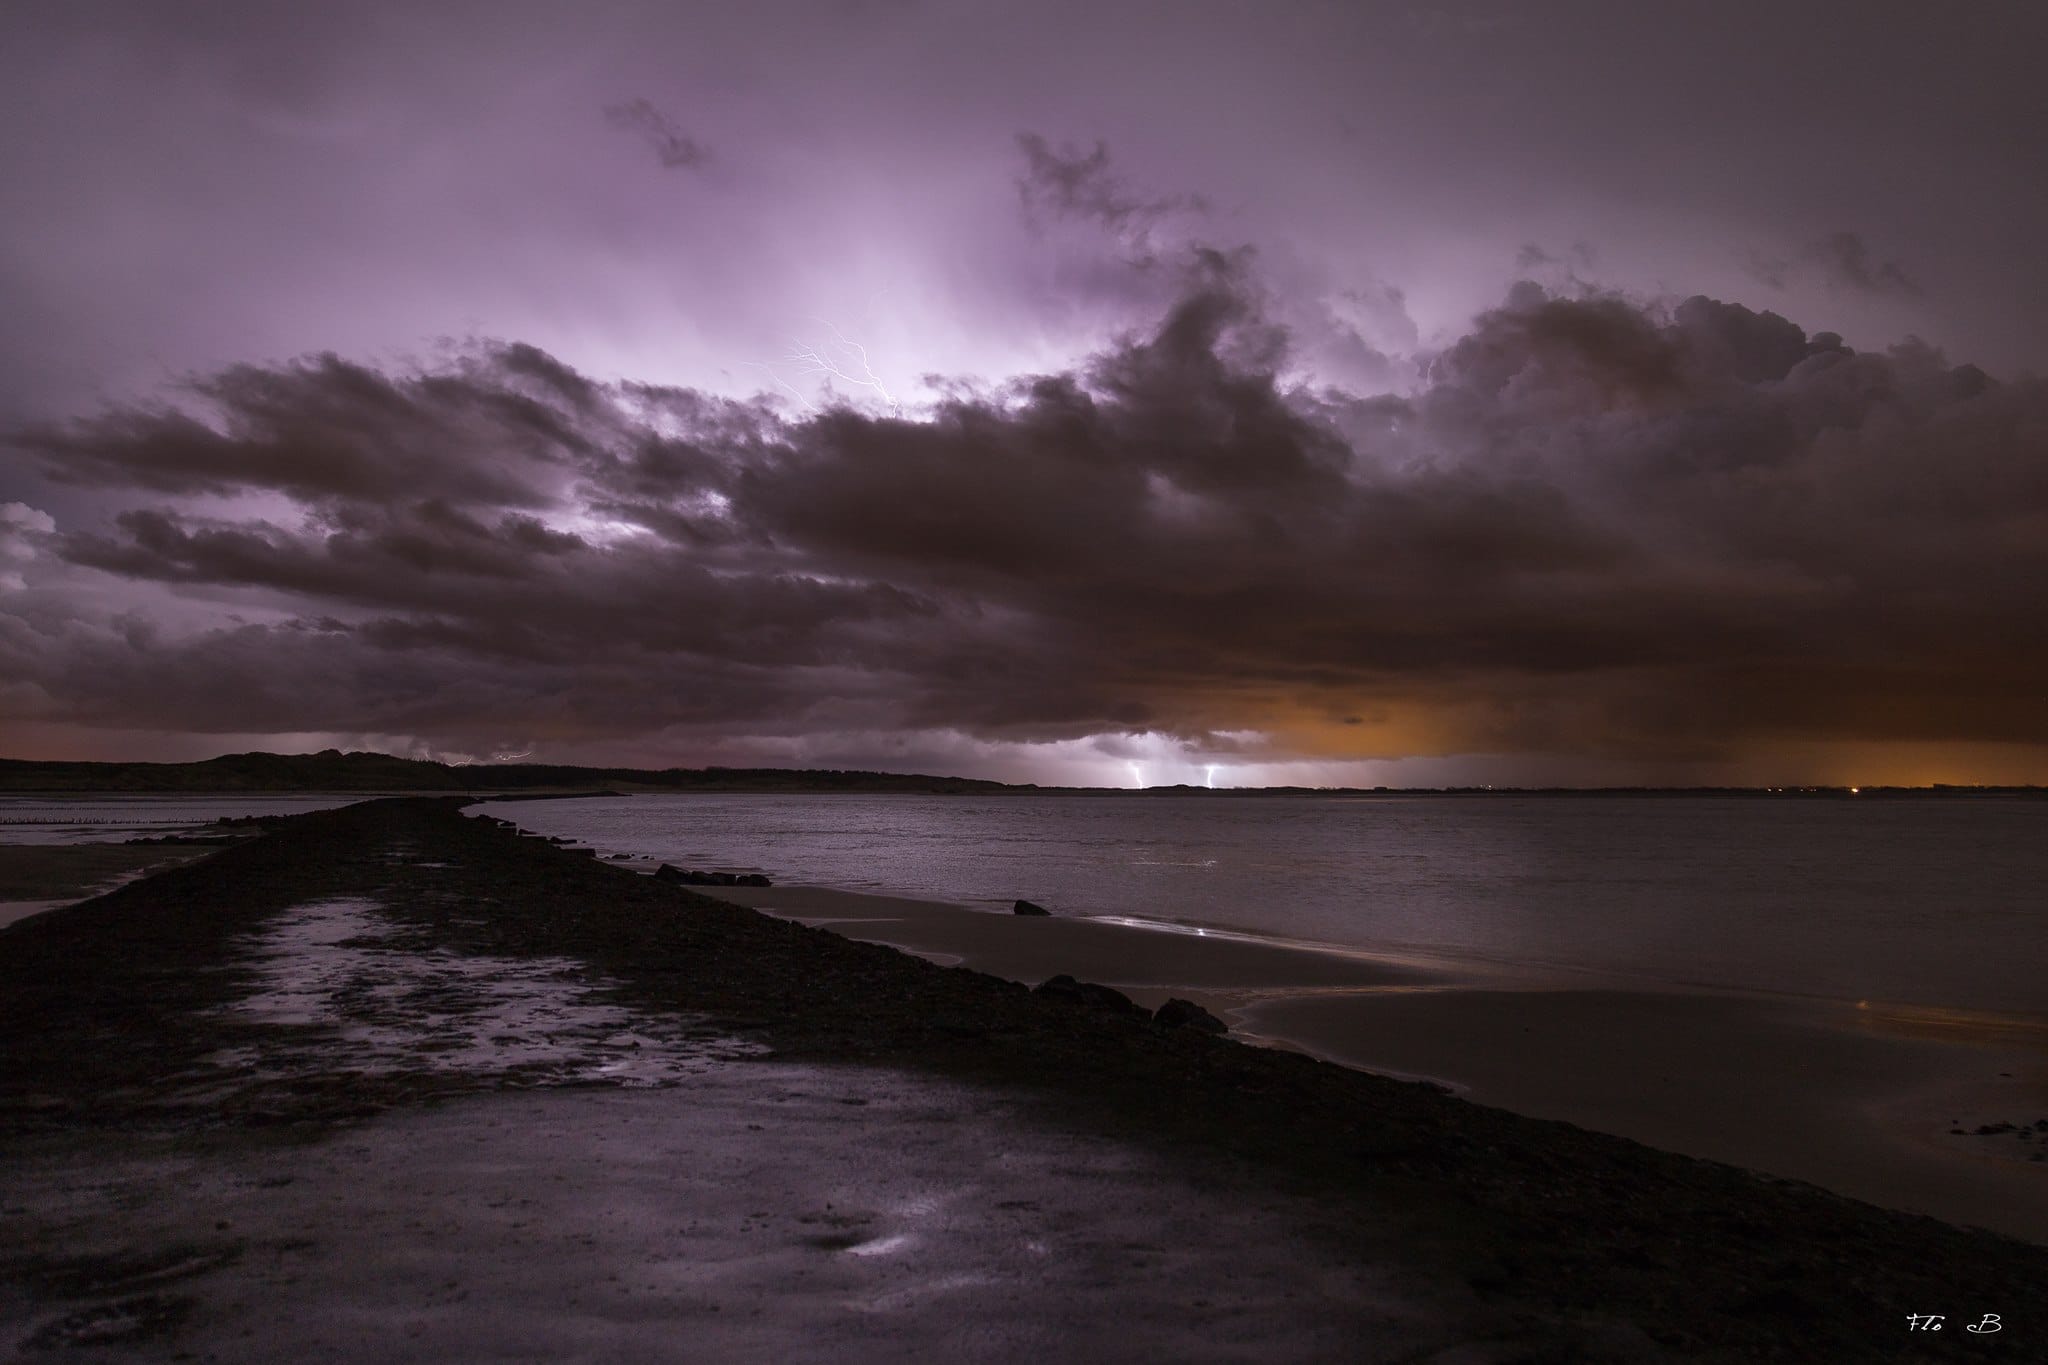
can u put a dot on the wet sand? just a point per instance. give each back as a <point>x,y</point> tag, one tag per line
<point>393,1084</point>
<point>39,877</point>
<point>1862,1101</point>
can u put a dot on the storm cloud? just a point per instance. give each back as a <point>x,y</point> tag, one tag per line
<point>1069,183</point>
<point>671,146</point>
<point>1600,526</point>
<point>1029,391</point>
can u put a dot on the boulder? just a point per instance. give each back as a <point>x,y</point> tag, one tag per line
<point>666,873</point>
<point>1109,998</point>
<point>1029,908</point>
<point>1088,993</point>
<point>1179,1013</point>
<point>754,879</point>
<point>1061,987</point>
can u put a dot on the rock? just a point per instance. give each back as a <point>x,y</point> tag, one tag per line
<point>1488,1275</point>
<point>690,876</point>
<point>1088,993</point>
<point>1061,987</point>
<point>1178,1013</point>
<point>754,879</point>
<point>1029,908</point>
<point>1108,998</point>
<point>619,857</point>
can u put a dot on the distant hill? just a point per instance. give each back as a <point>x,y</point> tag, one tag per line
<point>333,771</point>
<point>330,770</point>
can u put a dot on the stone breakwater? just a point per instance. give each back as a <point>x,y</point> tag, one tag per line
<point>366,967</point>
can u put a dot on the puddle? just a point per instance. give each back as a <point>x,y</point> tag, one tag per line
<point>348,991</point>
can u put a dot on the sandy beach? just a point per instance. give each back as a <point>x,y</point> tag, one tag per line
<point>1860,1100</point>
<point>394,1084</point>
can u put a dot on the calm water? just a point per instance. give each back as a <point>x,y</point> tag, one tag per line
<point>111,819</point>
<point>1932,902</point>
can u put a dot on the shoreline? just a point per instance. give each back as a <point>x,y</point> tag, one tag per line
<point>1858,1100</point>
<point>145,1058</point>
<point>38,878</point>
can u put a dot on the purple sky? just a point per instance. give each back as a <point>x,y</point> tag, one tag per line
<point>1103,393</point>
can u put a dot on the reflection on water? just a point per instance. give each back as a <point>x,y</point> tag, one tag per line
<point>379,1005</point>
<point>1983,1028</point>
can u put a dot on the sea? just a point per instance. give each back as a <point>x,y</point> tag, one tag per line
<point>1936,901</point>
<point>115,819</point>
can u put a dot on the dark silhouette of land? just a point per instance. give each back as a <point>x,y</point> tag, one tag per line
<point>330,770</point>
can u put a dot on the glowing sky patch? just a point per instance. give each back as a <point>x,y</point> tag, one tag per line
<point>1233,394</point>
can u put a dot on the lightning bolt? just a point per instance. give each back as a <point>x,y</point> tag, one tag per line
<point>841,358</point>
<point>794,391</point>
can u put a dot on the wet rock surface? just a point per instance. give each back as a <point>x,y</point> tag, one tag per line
<point>270,1077</point>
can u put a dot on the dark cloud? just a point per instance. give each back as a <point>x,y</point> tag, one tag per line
<point>1842,261</point>
<point>676,150</point>
<point>326,428</point>
<point>1069,183</point>
<point>1846,261</point>
<point>1578,256</point>
<point>1598,527</point>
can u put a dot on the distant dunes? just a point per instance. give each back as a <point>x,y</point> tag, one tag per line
<point>333,771</point>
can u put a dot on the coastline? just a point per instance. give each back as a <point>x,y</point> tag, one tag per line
<point>35,878</point>
<point>1862,1101</point>
<point>149,1068</point>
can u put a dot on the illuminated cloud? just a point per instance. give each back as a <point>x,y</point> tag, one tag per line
<point>1600,528</point>
<point>1299,390</point>
<point>21,527</point>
